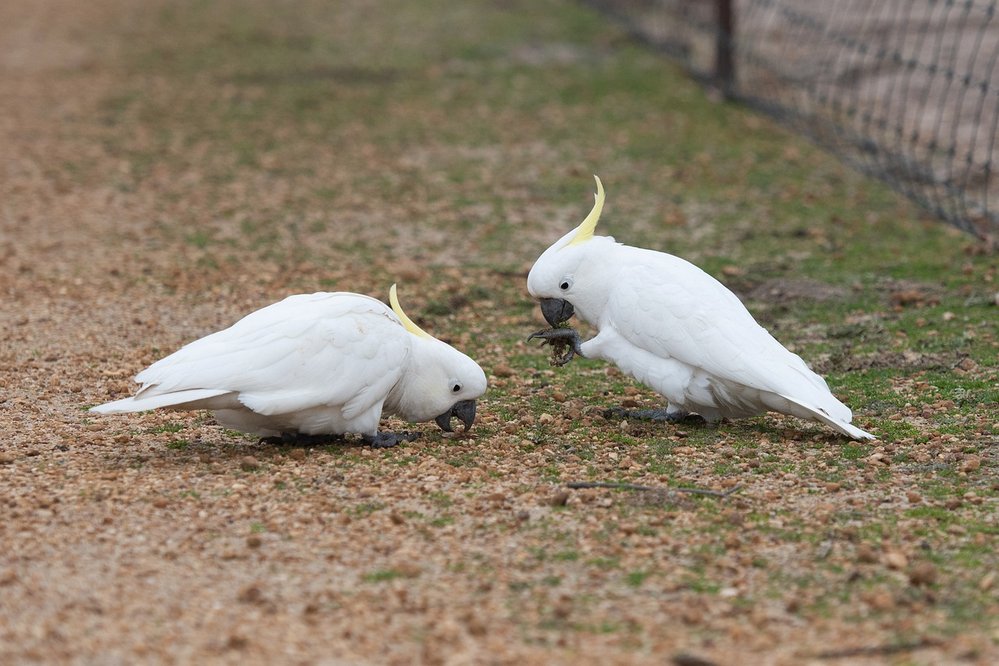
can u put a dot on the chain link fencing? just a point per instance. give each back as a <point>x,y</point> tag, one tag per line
<point>903,90</point>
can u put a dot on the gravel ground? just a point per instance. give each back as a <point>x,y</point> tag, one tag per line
<point>161,538</point>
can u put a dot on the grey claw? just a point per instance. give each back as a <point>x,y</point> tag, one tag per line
<point>568,336</point>
<point>386,440</point>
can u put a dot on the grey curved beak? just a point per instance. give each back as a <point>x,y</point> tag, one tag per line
<point>464,410</point>
<point>556,311</point>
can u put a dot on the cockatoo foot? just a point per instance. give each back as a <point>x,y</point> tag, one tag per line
<point>560,338</point>
<point>386,440</point>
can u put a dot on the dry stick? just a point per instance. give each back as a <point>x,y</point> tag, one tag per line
<point>635,486</point>
<point>875,650</point>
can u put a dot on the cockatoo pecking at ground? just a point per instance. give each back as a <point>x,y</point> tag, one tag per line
<point>316,365</point>
<point>675,328</point>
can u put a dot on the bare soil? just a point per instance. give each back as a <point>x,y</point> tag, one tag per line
<point>162,538</point>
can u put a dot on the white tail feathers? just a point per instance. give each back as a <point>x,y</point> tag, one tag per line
<point>142,402</point>
<point>804,411</point>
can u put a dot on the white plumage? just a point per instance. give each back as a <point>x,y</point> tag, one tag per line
<point>675,328</point>
<point>313,364</point>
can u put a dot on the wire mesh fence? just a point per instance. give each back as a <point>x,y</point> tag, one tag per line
<point>903,90</point>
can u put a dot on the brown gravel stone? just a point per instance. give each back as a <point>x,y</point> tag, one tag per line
<point>251,594</point>
<point>503,370</point>
<point>560,498</point>
<point>923,573</point>
<point>408,569</point>
<point>866,554</point>
<point>881,600</point>
<point>895,559</point>
<point>249,463</point>
<point>971,464</point>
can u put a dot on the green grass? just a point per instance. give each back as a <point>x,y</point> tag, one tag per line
<point>437,141</point>
<point>381,576</point>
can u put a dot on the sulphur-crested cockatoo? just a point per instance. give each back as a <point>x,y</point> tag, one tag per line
<point>316,364</point>
<point>675,328</point>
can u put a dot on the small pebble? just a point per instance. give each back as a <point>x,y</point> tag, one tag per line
<point>503,370</point>
<point>923,573</point>
<point>237,642</point>
<point>881,600</point>
<point>896,559</point>
<point>250,595</point>
<point>971,464</point>
<point>866,554</point>
<point>561,498</point>
<point>249,463</point>
<point>408,569</point>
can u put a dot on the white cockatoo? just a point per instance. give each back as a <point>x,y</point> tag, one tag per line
<point>316,365</point>
<point>675,328</point>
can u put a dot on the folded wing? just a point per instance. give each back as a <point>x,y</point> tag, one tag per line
<point>303,352</point>
<point>671,308</point>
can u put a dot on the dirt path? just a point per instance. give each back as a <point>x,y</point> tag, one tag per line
<point>161,538</point>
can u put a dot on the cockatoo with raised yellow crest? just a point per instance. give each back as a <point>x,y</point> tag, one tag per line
<point>316,365</point>
<point>675,328</point>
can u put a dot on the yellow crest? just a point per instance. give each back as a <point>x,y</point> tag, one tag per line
<point>584,231</point>
<point>406,321</point>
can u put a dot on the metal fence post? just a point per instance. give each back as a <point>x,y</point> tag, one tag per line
<point>724,43</point>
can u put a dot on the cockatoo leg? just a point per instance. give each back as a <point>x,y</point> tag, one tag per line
<point>386,440</point>
<point>556,337</point>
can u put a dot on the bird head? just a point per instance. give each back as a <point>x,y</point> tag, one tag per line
<point>442,383</point>
<point>566,277</point>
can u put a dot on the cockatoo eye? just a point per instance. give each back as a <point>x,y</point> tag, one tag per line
<point>566,283</point>
<point>456,388</point>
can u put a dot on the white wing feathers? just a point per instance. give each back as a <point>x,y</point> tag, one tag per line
<point>670,308</point>
<point>306,351</point>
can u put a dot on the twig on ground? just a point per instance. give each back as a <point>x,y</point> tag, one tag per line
<point>687,659</point>
<point>875,650</point>
<point>663,489</point>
